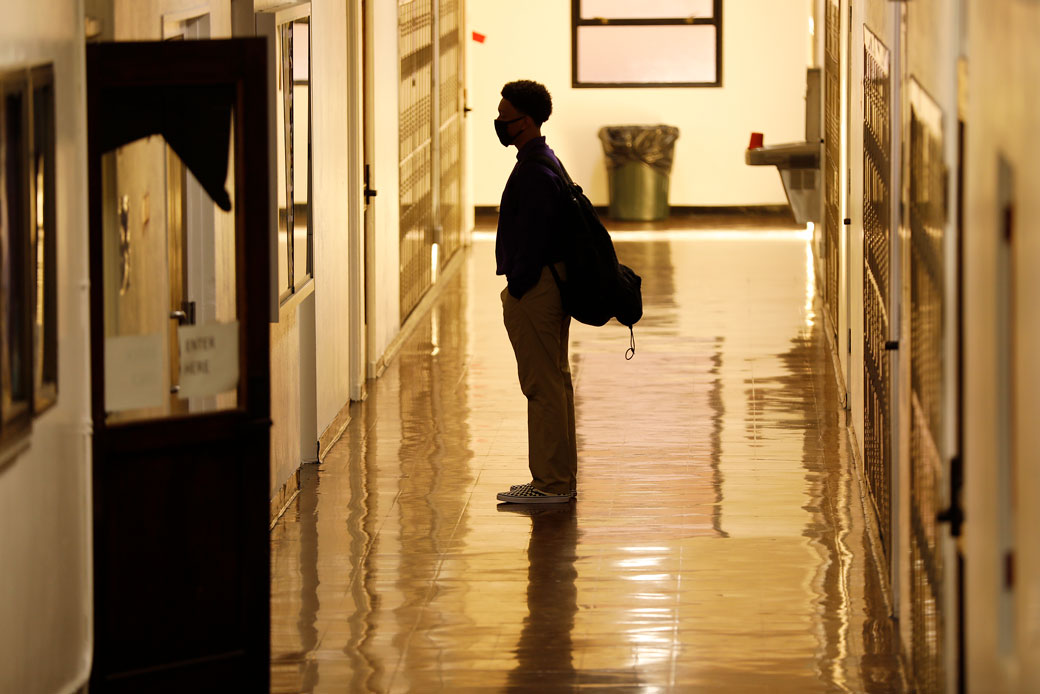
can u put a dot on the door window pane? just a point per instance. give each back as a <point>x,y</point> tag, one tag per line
<point>163,257</point>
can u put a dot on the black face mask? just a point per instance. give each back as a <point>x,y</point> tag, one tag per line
<point>502,129</point>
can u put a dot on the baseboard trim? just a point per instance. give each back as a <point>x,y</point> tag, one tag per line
<point>284,496</point>
<point>417,315</point>
<point>334,431</point>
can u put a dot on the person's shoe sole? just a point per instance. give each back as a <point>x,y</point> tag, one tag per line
<point>532,510</point>
<point>547,499</point>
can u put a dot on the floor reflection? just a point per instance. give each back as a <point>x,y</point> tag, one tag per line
<point>546,645</point>
<point>717,545</point>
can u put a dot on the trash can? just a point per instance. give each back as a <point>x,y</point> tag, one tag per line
<point>639,165</point>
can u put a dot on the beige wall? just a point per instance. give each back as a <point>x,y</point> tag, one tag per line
<point>334,171</point>
<point>285,400</point>
<point>46,620</point>
<point>764,62</point>
<point>1004,110</point>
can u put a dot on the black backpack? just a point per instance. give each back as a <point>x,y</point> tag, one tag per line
<point>598,287</point>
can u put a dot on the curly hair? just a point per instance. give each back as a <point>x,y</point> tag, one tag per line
<point>530,98</point>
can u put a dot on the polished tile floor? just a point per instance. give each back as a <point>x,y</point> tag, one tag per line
<point>718,543</point>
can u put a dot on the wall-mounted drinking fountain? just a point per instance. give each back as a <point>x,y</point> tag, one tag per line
<point>797,162</point>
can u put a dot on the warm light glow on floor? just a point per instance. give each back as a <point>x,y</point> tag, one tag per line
<point>694,235</point>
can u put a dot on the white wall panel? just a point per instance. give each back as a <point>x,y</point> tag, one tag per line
<point>1003,113</point>
<point>46,619</point>
<point>332,174</point>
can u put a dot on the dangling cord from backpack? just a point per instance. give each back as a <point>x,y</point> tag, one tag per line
<point>631,351</point>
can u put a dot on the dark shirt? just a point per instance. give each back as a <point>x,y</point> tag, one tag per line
<point>527,237</point>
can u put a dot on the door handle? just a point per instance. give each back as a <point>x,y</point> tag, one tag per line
<point>186,314</point>
<point>369,192</point>
<point>954,513</point>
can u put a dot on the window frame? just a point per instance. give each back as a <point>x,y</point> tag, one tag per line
<point>19,210</point>
<point>270,24</point>
<point>26,251</point>
<point>577,21</point>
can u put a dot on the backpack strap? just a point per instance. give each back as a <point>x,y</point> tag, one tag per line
<point>554,166</point>
<point>556,275</point>
<point>557,168</point>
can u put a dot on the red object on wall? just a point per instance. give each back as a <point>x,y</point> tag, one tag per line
<point>479,38</point>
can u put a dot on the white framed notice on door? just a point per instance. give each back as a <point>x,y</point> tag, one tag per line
<point>209,359</point>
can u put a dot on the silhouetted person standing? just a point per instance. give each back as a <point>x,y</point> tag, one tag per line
<point>526,244</point>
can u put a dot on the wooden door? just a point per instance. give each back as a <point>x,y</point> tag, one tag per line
<point>180,492</point>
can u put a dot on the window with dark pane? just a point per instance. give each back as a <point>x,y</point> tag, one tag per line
<point>43,244</point>
<point>652,43</point>
<point>295,255</point>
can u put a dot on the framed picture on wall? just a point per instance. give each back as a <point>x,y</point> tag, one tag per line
<point>43,244</point>
<point>16,211</point>
<point>28,248</point>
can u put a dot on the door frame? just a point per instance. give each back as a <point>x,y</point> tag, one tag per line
<point>113,68</point>
<point>358,210</point>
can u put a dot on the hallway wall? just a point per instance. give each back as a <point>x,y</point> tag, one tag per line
<point>765,55</point>
<point>334,125</point>
<point>1001,371</point>
<point>294,441</point>
<point>46,619</point>
<point>989,426</point>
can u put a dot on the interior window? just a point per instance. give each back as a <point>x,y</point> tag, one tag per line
<point>653,43</point>
<point>295,231</point>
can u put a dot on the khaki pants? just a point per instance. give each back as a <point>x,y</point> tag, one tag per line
<point>538,329</point>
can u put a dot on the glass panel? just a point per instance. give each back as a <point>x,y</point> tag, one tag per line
<point>294,153</point>
<point>301,151</point>
<point>284,116</point>
<point>44,243</point>
<point>15,229</point>
<point>165,255</point>
<point>646,54</point>
<point>646,9</point>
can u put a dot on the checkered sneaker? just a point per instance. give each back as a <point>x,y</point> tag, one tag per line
<point>514,487</point>
<point>527,494</point>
